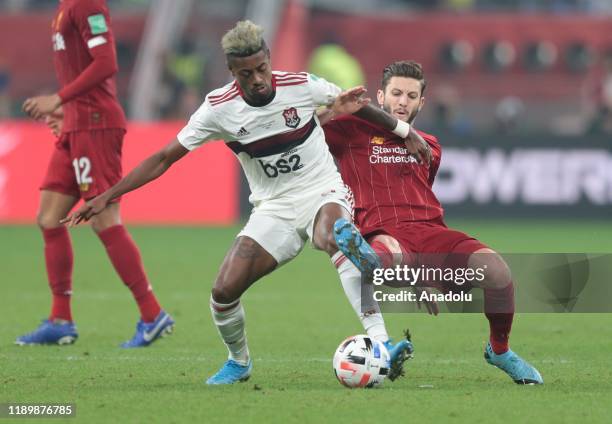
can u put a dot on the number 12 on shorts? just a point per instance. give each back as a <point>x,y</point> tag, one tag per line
<point>82,168</point>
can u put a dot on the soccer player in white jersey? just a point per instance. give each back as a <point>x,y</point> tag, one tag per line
<point>269,120</point>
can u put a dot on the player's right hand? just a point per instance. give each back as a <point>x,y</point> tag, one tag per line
<point>86,211</point>
<point>40,106</point>
<point>418,148</point>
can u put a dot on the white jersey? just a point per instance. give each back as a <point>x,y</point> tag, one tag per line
<point>281,145</point>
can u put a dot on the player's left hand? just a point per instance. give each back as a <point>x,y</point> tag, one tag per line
<point>418,148</point>
<point>350,101</point>
<point>39,106</point>
<point>55,121</point>
<point>432,307</point>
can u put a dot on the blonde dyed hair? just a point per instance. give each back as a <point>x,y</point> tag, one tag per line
<point>243,40</point>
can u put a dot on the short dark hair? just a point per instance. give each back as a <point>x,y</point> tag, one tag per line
<point>406,69</point>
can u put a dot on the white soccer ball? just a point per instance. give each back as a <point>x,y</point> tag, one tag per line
<point>361,361</point>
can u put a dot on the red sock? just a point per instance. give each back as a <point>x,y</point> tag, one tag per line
<point>499,309</point>
<point>58,260</point>
<point>126,259</point>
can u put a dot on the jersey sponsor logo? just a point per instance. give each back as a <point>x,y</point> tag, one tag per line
<point>396,154</point>
<point>242,132</point>
<point>97,24</point>
<point>292,119</point>
<point>281,166</point>
<point>377,140</point>
<point>58,42</point>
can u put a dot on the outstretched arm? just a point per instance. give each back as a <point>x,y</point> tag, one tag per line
<point>415,144</point>
<point>352,101</point>
<point>148,170</point>
<point>379,117</point>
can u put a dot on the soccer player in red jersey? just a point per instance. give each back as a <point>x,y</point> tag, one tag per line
<point>397,211</point>
<point>90,124</point>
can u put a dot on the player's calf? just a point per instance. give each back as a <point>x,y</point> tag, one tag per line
<point>497,274</point>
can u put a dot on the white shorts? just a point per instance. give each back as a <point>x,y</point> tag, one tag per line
<point>282,226</point>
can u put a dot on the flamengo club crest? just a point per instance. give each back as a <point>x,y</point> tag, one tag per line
<point>291,117</point>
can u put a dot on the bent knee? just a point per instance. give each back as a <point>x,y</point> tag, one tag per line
<point>388,242</point>
<point>326,242</point>
<point>221,293</point>
<point>47,221</point>
<point>389,249</point>
<point>497,273</point>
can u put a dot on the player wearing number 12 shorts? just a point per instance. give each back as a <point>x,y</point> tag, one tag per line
<point>398,213</point>
<point>90,124</point>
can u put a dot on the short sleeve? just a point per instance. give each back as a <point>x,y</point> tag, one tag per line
<point>202,127</point>
<point>323,92</point>
<point>92,20</point>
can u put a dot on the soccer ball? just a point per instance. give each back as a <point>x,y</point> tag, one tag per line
<point>361,361</point>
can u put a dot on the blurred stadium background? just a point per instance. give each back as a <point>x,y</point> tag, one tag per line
<point>520,95</point>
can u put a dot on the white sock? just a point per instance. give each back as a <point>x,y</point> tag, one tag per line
<point>369,315</point>
<point>229,319</point>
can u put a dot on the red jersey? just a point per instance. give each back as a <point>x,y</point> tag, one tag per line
<point>85,62</point>
<point>389,186</point>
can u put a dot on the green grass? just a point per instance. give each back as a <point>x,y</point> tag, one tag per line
<point>295,319</point>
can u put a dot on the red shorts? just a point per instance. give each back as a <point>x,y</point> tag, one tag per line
<point>85,164</point>
<point>433,244</point>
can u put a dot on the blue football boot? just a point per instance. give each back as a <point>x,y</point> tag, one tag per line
<point>399,353</point>
<point>148,333</point>
<point>50,332</point>
<point>231,372</point>
<point>516,367</point>
<point>355,248</point>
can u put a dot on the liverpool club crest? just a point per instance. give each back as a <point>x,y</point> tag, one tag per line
<point>291,117</point>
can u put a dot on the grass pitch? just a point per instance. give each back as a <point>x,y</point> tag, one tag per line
<point>295,319</point>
